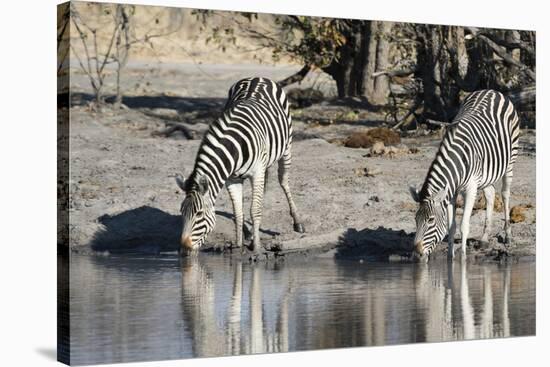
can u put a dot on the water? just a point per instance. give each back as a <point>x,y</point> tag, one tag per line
<point>127,309</point>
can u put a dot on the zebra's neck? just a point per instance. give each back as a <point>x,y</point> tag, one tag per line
<point>214,165</point>
<point>448,169</point>
<point>215,180</point>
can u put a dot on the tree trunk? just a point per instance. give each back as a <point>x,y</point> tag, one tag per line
<point>375,47</point>
<point>371,45</point>
<point>438,72</point>
<point>343,69</point>
<point>381,86</point>
<point>340,71</point>
<point>356,84</point>
<point>365,52</point>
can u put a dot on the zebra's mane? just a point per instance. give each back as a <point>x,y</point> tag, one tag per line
<point>470,105</point>
<point>425,192</point>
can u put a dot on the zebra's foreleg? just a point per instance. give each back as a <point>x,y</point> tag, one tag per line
<point>284,169</point>
<point>451,225</point>
<point>489,193</point>
<point>469,200</point>
<point>235,190</point>
<point>258,182</point>
<point>506,182</point>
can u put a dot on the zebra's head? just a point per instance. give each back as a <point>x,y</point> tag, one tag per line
<point>197,212</point>
<point>431,222</point>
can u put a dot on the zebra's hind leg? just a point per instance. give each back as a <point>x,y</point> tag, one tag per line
<point>235,190</point>
<point>258,182</point>
<point>489,193</point>
<point>469,200</point>
<point>506,182</point>
<point>284,169</point>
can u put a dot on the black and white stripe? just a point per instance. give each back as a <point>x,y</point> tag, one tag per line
<point>478,149</point>
<point>254,132</point>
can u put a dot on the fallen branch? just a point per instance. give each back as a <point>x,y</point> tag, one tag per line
<point>297,77</point>
<point>440,123</point>
<point>172,128</point>
<point>393,73</point>
<point>410,116</point>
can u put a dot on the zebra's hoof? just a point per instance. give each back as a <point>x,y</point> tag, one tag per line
<point>254,247</point>
<point>247,232</point>
<point>299,227</point>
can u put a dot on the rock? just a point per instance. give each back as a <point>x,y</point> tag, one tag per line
<point>165,112</point>
<point>398,150</point>
<point>361,172</point>
<point>408,206</point>
<point>378,148</point>
<point>517,214</point>
<point>481,203</point>
<point>499,205</point>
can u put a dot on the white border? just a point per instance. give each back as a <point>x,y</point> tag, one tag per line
<point>28,179</point>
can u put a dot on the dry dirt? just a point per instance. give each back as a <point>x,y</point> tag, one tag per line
<point>353,203</point>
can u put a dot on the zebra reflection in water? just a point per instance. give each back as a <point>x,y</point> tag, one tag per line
<point>225,330</point>
<point>232,308</point>
<point>451,303</point>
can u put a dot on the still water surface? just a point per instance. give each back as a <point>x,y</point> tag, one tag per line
<point>127,309</point>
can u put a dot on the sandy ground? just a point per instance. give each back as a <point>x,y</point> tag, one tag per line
<point>124,197</point>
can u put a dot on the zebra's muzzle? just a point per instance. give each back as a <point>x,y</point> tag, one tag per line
<point>186,244</point>
<point>418,253</point>
<point>419,248</point>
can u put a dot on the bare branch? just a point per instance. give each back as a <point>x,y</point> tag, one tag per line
<point>108,53</point>
<point>510,45</point>
<point>90,76</point>
<point>503,54</point>
<point>297,77</point>
<point>392,73</point>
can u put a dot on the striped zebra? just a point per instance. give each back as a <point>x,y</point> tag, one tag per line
<point>254,132</point>
<point>478,149</point>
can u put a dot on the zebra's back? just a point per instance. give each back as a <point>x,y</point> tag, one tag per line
<point>487,132</point>
<point>255,125</point>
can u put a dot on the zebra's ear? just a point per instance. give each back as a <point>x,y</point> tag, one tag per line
<point>202,183</point>
<point>414,193</point>
<point>180,181</point>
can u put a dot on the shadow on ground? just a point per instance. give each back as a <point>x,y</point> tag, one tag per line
<point>147,230</point>
<point>380,244</point>
<point>141,230</point>
<point>182,104</point>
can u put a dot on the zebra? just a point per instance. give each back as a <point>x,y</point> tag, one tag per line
<point>479,148</point>
<point>253,132</point>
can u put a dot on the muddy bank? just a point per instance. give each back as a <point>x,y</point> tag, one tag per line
<point>353,203</point>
